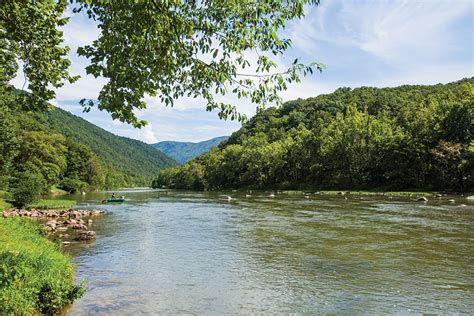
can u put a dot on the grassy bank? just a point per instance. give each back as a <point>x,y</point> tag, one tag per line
<point>52,204</point>
<point>35,277</point>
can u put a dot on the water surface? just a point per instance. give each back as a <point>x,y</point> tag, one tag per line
<point>187,252</point>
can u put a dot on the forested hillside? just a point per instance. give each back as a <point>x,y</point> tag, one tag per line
<point>132,160</point>
<point>408,137</point>
<point>184,151</point>
<point>56,148</point>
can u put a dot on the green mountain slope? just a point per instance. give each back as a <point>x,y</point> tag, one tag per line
<point>184,151</point>
<point>130,161</point>
<point>402,138</point>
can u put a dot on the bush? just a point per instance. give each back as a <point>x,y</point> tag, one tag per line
<point>72,185</point>
<point>27,187</point>
<point>35,277</point>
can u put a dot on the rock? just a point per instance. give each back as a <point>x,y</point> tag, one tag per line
<point>78,226</point>
<point>63,235</point>
<point>470,197</point>
<point>51,213</point>
<point>89,221</point>
<point>422,199</point>
<point>438,195</point>
<point>66,243</point>
<point>451,201</point>
<point>70,222</point>
<point>61,229</point>
<point>96,212</point>
<point>51,224</point>
<point>86,235</point>
<point>75,214</point>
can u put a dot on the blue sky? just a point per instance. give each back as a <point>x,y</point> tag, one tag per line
<point>362,43</point>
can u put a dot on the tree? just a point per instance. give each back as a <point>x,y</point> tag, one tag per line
<point>27,187</point>
<point>30,35</point>
<point>9,143</point>
<point>46,152</point>
<point>164,48</point>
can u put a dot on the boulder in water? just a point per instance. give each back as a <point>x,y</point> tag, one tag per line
<point>86,235</point>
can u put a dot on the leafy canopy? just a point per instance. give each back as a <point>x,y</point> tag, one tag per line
<point>164,48</point>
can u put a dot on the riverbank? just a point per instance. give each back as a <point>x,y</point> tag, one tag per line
<point>36,277</point>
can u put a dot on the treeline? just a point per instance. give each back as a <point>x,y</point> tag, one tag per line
<point>409,137</point>
<point>41,150</point>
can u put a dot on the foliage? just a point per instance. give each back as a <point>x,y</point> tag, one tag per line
<point>164,48</point>
<point>189,48</point>
<point>410,137</point>
<point>185,151</point>
<point>4,204</point>
<point>53,204</point>
<point>27,187</point>
<point>71,153</point>
<point>35,277</point>
<point>124,161</point>
<point>31,39</point>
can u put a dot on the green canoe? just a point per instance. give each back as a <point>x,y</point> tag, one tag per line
<point>112,200</point>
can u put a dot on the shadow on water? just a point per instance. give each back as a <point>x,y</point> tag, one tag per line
<point>188,252</point>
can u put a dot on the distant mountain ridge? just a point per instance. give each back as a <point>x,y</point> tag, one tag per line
<point>184,151</point>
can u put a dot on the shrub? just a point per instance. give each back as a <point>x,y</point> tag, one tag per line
<point>73,185</point>
<point>35,277</point>
<point>27,187</point>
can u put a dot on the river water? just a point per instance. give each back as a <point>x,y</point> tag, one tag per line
<point>193,253</point>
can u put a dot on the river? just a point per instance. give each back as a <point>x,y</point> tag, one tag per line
<point>192,253</point>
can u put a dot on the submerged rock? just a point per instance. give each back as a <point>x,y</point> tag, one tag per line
<point>86,235</point>
<point>422,199</point>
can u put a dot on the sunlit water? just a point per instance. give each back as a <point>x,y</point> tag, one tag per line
<point>186,252</point>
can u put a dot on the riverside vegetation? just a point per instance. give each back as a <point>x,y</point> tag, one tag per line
<point>404,138</point>
<point>35,277</point>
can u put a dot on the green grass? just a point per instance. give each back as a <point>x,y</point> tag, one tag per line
<point>52,204</point>
<point>35,277</point>
<point>57,191</point>
<point>4,204</point>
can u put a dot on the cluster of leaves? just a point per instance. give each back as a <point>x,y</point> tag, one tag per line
<point>35,277</point>
<point>164,48</point>
<point>409,137</point>
<point>31,42</point>
<point>175,48</point>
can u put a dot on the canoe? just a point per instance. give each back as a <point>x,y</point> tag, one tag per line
<point>114,200</point>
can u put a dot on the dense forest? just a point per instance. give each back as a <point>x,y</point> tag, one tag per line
<point>184,151</point>
<point>408,137</point>
<point>55,148</point>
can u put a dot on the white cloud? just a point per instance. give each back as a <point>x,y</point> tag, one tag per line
<point>148,136</point>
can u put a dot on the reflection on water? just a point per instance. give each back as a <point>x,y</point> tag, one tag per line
<point>186,252</point>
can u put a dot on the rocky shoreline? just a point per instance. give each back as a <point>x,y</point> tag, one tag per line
<point>59,222</point>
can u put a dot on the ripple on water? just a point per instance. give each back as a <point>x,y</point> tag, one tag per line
<point>184,252</point>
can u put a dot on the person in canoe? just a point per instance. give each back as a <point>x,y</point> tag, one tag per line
<point>113,196</point>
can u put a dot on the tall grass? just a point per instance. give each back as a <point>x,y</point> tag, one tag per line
<point>53,204</point>
<point>35,277</point>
